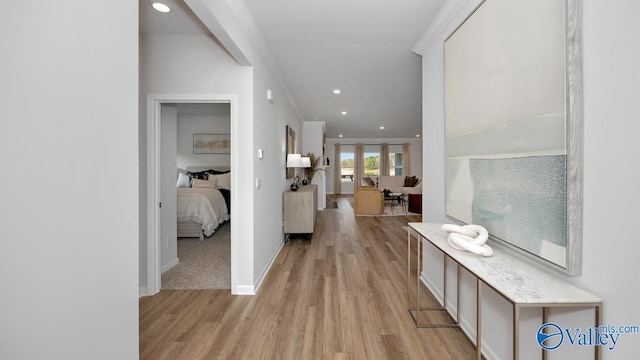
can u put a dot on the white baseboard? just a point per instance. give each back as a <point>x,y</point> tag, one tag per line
<point>170,264</point>
<point>253,289</point>
<point>244,290</point>
<point>431,286</point>
<point>142,292</point>
<point>265,271</point>
<point>465,325</point>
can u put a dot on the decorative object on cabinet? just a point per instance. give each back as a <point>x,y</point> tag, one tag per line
<point>306,162</point>
<point>300,211</point>
<point>514,153</point>
<point>211,143</point>
<point>471,238</point>
<point>294,161</point>
<point>313,166</point>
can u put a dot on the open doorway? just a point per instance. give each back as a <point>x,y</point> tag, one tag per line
<point>195,188</point>
<point>162,166</point>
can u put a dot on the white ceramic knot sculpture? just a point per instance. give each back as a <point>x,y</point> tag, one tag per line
<point>470,238</point>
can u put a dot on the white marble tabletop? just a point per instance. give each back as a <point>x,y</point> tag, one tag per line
<point>518,281</point>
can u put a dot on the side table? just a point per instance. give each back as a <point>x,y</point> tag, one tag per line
<point>415,203</point>
<point>392,198</point>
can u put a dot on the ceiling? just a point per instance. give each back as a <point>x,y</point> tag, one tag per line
<point>362,47</point>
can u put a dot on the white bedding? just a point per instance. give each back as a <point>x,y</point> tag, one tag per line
<point>205,206</point>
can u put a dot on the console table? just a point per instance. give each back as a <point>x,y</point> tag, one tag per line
<point>520,283</point>
<point>300,210</point>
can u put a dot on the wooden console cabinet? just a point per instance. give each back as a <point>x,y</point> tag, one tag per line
<point>300,210</point>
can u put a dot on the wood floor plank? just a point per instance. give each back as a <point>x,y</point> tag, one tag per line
<point>340,295</point>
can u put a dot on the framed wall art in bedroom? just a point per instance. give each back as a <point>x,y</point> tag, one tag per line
<point>211,143</point>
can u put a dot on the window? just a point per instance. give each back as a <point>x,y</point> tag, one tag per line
<point>346,166</point>
<point>395,164</point>
<point>371,163</point>
<point>395,161</point>
<point>371,160</point>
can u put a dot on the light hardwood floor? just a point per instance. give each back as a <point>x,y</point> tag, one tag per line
<point>340,295</point>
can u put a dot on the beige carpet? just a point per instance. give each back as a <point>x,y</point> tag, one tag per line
<point>203,264</point>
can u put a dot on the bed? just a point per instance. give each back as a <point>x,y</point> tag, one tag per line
<point>203,200</point>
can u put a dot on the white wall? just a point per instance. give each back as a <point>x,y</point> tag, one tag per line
<point>415,156</point>
<point>313,142</point>
<point>69,184</point>
<point>196,64</point>
<point>611,44</point>
<point>168,195</point>
<point>313,138</point>
<point>233,25</point>
<point>189,124</point>
<point>270,120</point>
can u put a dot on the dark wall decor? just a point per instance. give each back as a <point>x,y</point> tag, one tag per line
<point>290,149</point>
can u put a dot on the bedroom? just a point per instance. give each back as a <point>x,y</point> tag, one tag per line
<point>194,255</point>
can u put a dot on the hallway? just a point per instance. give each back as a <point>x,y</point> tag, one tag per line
<point>340,295</point>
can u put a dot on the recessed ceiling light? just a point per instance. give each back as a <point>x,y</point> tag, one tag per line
<point>417,135</point>
<point>161,7</point>
<point>337,91</point>
<point>340,135</point>
<point>344,113</point>
<point>381,127</point>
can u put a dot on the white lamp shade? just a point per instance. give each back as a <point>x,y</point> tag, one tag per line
<point>306,162</point>
<point>294,160</point>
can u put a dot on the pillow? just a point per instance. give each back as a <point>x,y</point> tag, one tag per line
<point>183,181</point>
<point>410,181</point>
<point>202,175</point>
<point>209,183</point>
<point>224,180</point>
<point>369,181</point>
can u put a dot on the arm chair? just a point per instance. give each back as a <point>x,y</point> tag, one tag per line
<point>368,200</point>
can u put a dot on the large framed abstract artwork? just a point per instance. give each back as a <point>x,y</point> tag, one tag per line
<point>513,127</point>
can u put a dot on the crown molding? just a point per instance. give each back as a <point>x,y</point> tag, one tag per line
<point>442,22</point>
